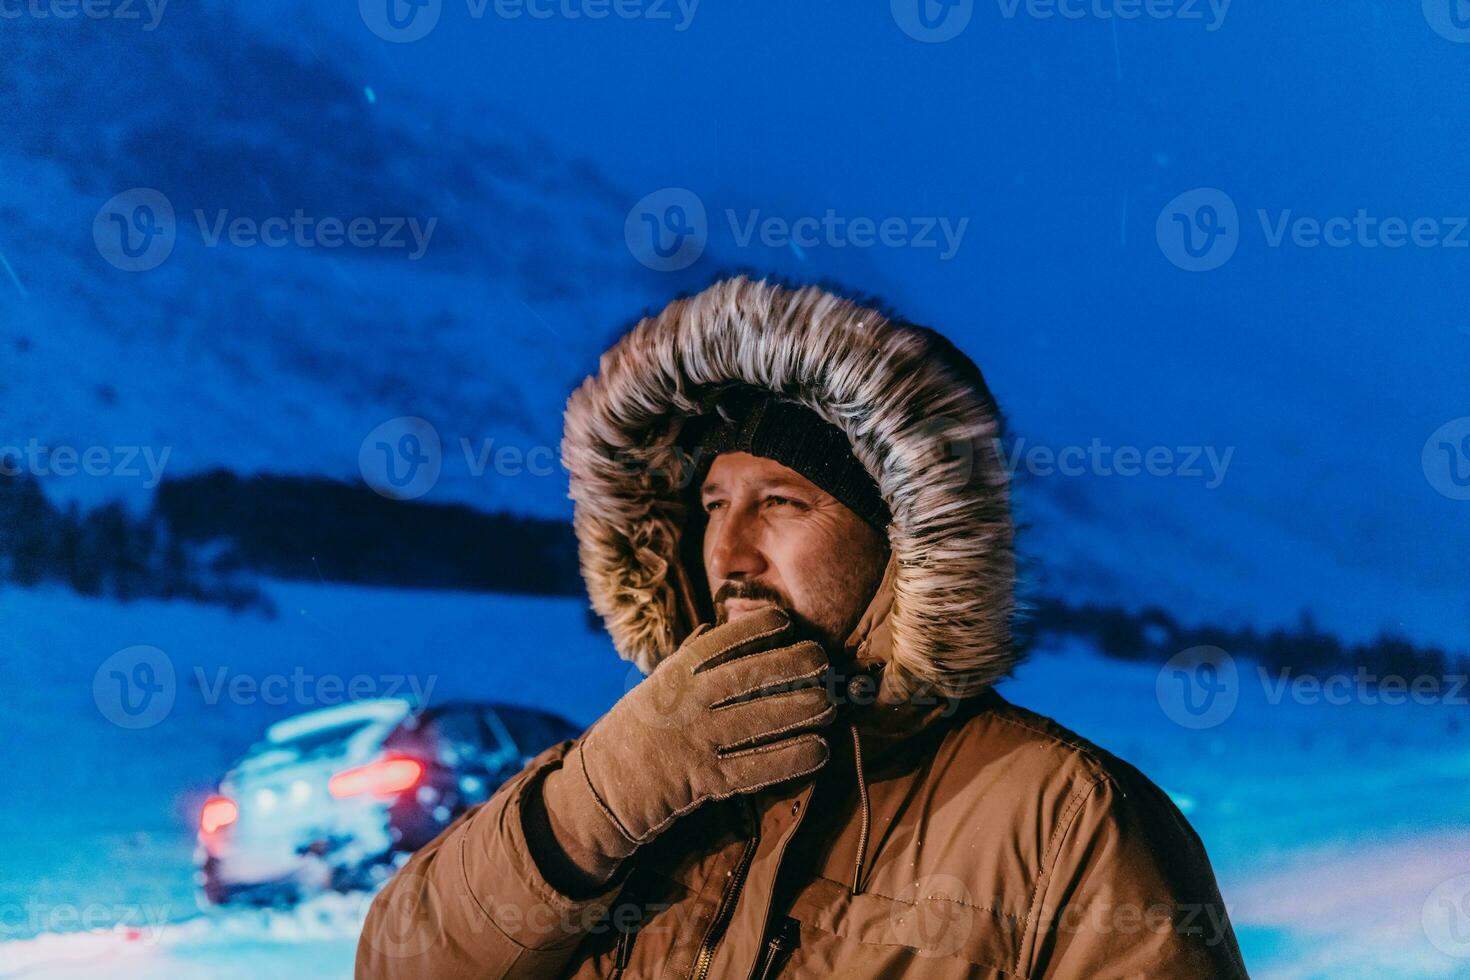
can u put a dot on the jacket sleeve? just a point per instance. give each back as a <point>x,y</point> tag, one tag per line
<point>1129,892</point>
<point>473,904</point>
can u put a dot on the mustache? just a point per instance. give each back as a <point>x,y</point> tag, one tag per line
<point>750,590</point>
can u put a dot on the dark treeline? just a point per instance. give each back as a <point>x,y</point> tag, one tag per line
<point>206,538</point>
<point>309,528</point>
<point>1154,636</point>
<point>109,552</point>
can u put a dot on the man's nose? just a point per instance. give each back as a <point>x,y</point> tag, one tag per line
<point>734,551</point>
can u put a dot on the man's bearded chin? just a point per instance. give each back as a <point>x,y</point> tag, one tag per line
<point>764,593</point>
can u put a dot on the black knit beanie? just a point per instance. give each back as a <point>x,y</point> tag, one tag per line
<point>743,418</point>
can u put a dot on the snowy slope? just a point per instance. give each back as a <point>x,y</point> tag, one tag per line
<point>284,358</point>
<point>1325,875</point>
<point>317,939</point>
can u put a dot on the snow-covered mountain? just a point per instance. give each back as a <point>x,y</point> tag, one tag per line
<point>282,359</point>
<point>1295,477</point>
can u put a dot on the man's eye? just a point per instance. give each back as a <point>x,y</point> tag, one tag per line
<point>774,501</point>
<point>710,505</point>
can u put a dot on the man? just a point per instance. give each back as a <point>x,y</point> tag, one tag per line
<point>792,517</point>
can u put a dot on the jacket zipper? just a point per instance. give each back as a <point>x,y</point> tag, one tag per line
<point>867,812</point>
<point>623,953</point>
<point>728,901</point>
<point>778,946</point>
<point>726,911</point>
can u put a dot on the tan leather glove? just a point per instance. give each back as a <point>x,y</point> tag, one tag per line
<point>726,714</point>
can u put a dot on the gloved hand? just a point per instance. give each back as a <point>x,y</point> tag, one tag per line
<point>724,715</point>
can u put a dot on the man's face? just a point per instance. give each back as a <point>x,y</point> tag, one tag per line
<point>776,538</point>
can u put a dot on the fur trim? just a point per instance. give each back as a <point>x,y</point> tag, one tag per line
<point>919,417</point>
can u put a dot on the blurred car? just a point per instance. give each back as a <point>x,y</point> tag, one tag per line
<point>333,799</point>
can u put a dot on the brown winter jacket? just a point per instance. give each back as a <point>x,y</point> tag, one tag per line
<point>951,834</point>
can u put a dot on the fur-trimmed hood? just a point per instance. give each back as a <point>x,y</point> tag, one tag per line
<point>918,415</point>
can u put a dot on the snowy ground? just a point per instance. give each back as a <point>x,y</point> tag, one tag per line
<point>1331,827</point>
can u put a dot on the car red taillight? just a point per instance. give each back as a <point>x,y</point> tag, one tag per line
<point>386,777</point>
<point>219,811</point>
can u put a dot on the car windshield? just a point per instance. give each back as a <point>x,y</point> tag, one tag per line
<point>315,740</point>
